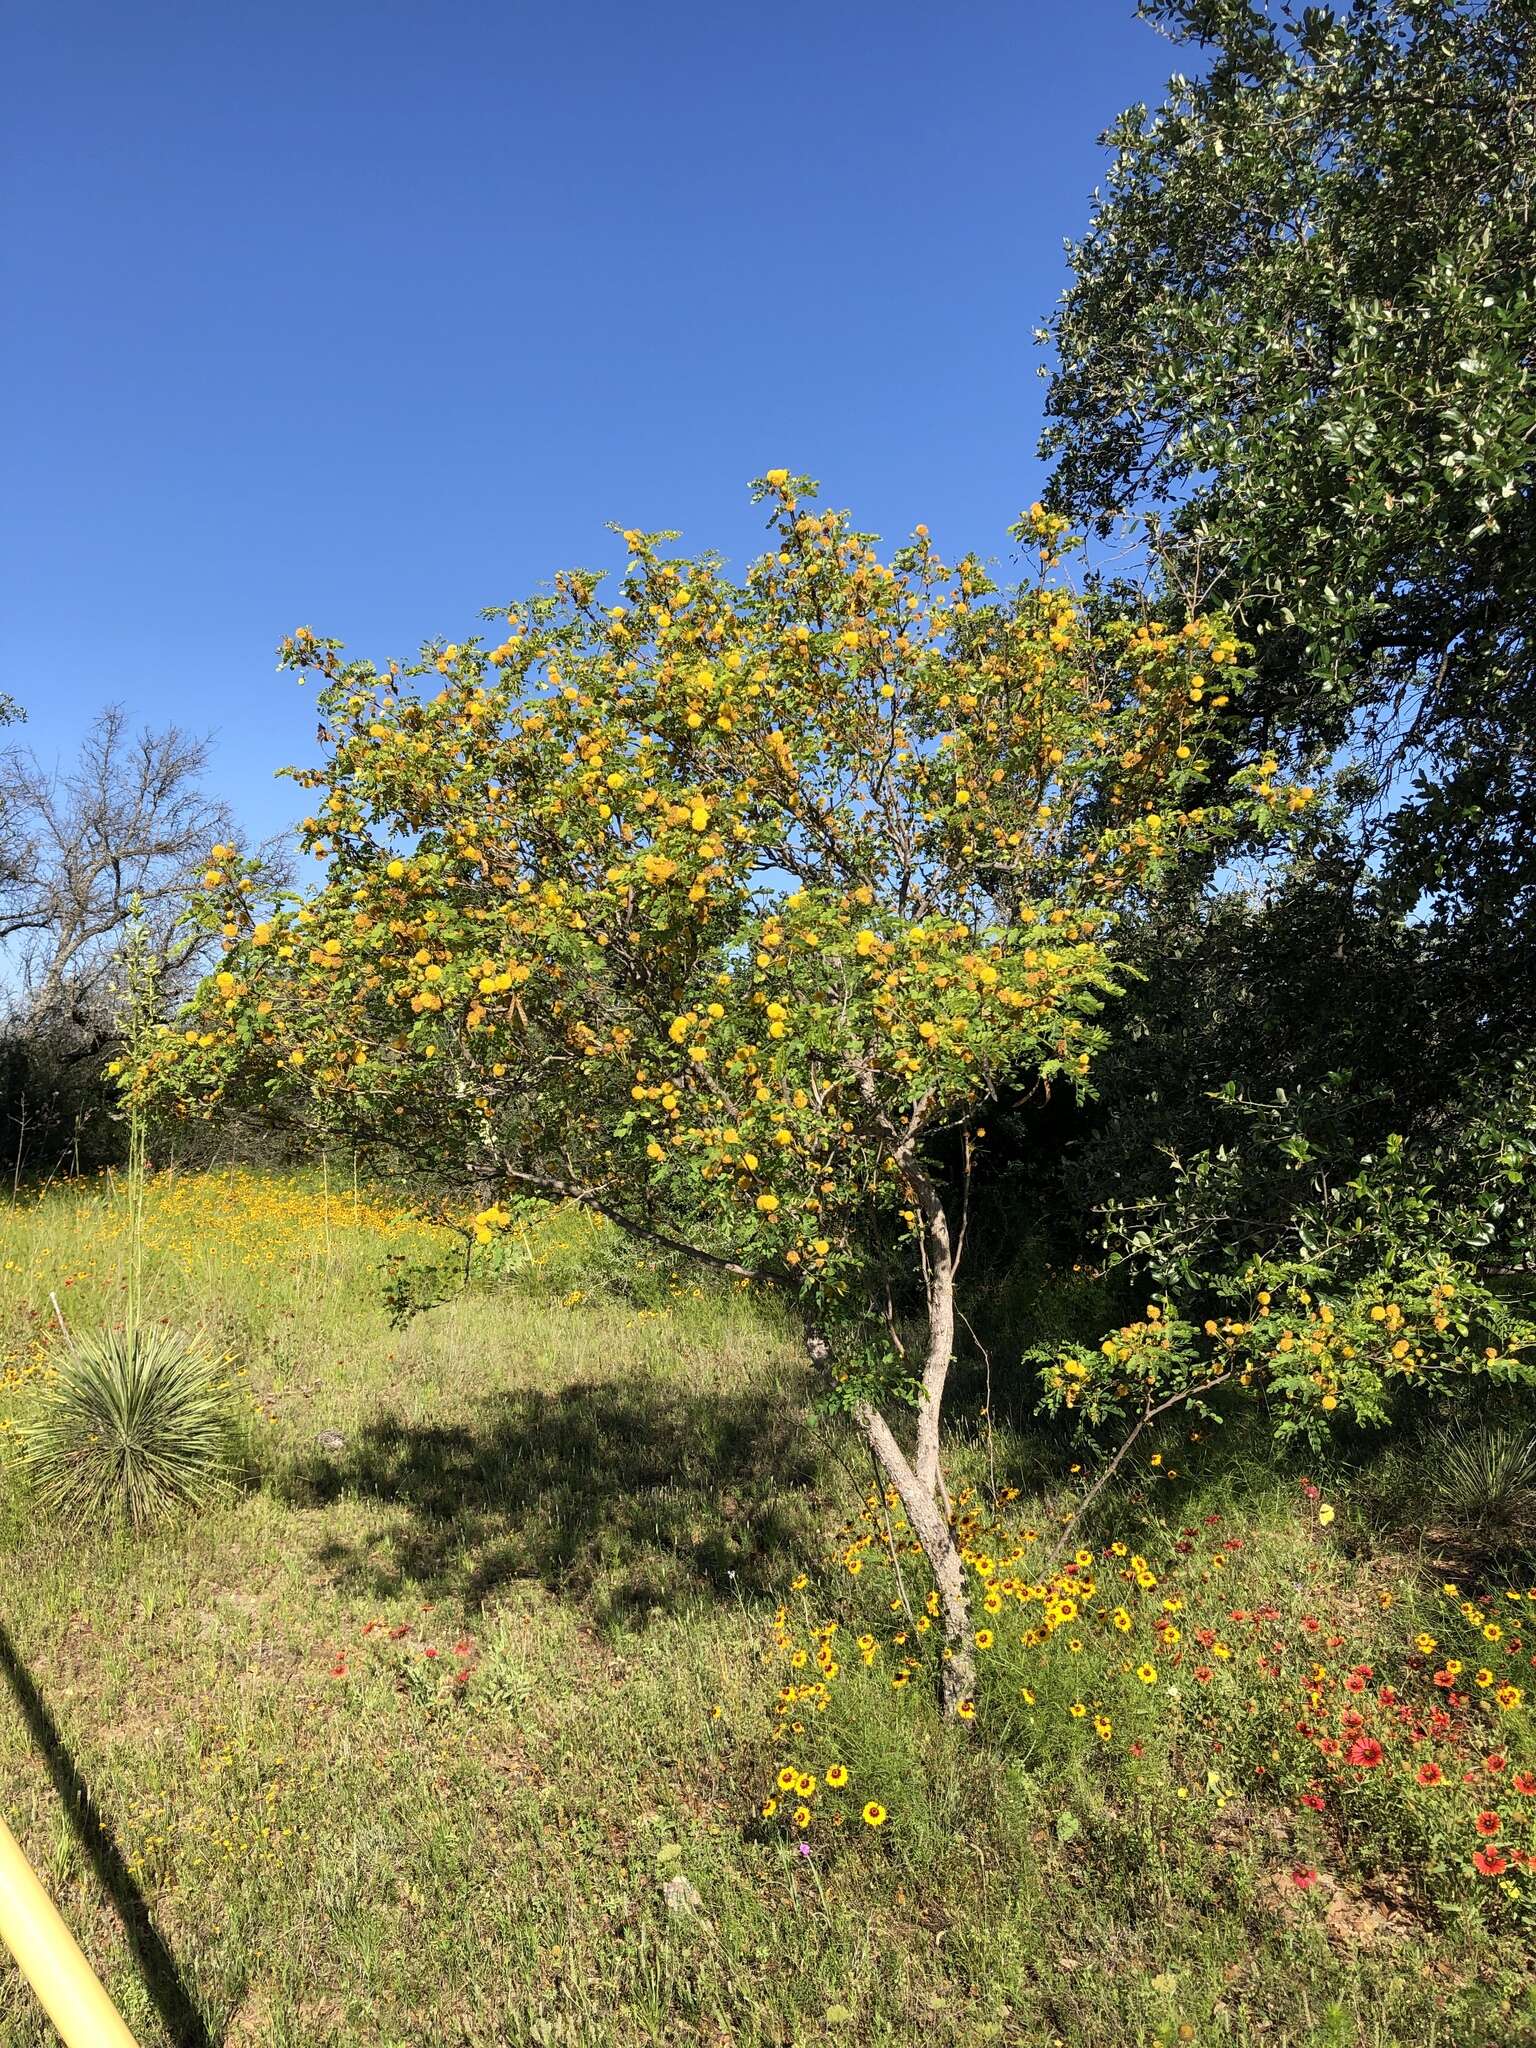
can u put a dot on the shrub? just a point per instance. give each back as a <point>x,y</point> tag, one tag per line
<point>727,912</point>
<point>136,1425</point>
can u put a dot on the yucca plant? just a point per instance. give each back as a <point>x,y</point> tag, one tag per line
<point>136,1425</point>
<point>1487,1485</point>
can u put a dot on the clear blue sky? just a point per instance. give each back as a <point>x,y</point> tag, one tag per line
<point>364,316</point>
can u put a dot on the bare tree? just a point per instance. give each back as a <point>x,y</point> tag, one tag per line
<point>130,822</point>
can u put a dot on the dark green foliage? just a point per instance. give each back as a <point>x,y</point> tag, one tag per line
<point>1300,344</point>
<point>1302,332</point>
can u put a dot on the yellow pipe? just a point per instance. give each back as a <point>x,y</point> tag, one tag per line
<point>50,1959</point>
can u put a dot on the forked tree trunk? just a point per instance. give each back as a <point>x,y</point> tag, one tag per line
<point>930,1525</point>
<point>919,1481</point>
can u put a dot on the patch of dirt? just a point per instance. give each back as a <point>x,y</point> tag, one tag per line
<point>1353,1917</point>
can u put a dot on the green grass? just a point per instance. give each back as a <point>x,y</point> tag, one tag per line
<point>600,1486</point>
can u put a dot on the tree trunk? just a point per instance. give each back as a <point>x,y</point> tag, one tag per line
<point>930,1525</point>
<point>940,1276</point>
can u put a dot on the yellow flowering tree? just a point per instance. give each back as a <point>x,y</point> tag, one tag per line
<point>724,910</point>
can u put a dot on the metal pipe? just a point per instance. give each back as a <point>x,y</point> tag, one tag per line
<point>49,1957</point>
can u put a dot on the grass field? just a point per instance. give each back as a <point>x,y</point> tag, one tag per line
<point>485,1711</point>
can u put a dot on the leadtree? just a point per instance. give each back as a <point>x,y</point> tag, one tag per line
<point>724,911</point>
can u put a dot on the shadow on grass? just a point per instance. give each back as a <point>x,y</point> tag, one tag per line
<point>631,1500</point>
<point>183,2024</point>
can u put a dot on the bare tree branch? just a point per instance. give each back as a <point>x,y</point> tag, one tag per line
<point>129,821</point>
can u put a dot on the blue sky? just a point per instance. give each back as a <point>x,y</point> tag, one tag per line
<point>363,317</point>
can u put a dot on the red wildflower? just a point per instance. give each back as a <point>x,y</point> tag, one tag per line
<point>1365,1752</point>
<point>1525,1784</point>
<point>1314,1800</point>
<point>1302,1878</point>
<point>1204,1674</point>
<point>1496,1762</point>
<point>1490,1862</point>
<point>1487,1823</point>
<point>1431,1774</point>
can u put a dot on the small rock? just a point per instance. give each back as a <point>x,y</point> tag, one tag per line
<point>682,1897</point>
<point>331,1440</point>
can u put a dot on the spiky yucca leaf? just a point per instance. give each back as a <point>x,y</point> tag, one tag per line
<point>1488,1481</point>
<point>136,1424</point>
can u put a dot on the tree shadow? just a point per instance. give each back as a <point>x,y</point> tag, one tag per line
<point>632,1500</point>
<point>183,2024</point>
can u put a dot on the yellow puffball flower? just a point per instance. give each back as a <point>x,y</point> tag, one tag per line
<point>395,870</point>
<point>699,818</point>
<point>767,1203</point>
<point>296,1058</point>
